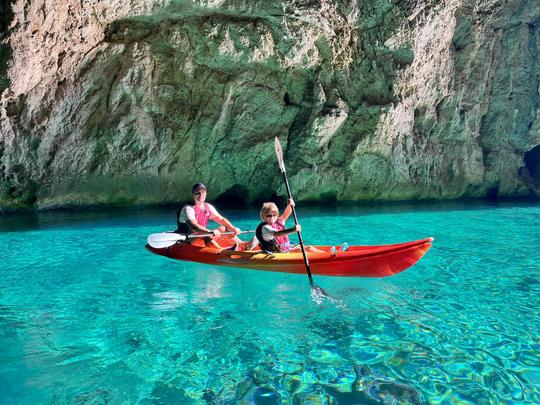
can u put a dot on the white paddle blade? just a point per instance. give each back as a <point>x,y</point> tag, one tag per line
<point>164,239</point>
<point>279,154</point>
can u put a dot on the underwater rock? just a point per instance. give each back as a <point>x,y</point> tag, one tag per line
<point>382,389</point>
<point>264,396</point>
<point>131,103</point>
<point>163,393</point>
<point>316,397</point>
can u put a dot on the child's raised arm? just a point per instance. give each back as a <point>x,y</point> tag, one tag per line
<point>288,210</point>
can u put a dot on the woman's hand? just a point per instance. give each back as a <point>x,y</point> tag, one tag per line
<point>291,203</point>
<point>216,233</point>
<point>297,228</point>
<point>236,231</point>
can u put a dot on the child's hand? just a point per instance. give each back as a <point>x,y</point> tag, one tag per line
<point>291,202</point>
<point>216,233</point>
<point>297,228</point>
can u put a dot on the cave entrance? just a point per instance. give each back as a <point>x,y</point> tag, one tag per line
<point>235,197</point>
<point>532,162</point>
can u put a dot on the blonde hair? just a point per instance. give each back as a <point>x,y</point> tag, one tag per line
<point>267,208</point>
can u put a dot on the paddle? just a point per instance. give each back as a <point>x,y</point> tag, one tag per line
<point>166,239</point>
<point>279,154</point>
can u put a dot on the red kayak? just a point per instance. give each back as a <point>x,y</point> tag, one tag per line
<point>356,261</point>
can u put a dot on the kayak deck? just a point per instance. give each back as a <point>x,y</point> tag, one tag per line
<point>356,261</point>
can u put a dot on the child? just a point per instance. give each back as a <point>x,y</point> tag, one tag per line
<point>272,234</point>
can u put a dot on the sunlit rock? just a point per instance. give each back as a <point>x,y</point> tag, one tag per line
<point>131,103</point>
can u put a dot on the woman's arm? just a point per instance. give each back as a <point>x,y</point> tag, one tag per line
<point>191,220</point>
<point>193,224</point>
<point>227,224</point>
<point>220,219</point>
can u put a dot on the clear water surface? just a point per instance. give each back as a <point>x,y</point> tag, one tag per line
<point>88,316</point>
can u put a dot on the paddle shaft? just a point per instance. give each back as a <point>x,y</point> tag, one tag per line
<point>204,235</point>
<point>306,261</point>
<point>167,239</point>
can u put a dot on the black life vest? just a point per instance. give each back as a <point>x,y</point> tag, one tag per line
<point>181,227</point>
<point>268,246</point>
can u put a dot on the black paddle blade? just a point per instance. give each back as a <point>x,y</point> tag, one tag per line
<point>319,295</point>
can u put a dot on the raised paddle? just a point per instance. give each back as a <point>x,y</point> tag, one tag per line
<point>166,239</point>
<point>279,154</point>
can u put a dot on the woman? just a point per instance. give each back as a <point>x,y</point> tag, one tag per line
<point>194,218</point>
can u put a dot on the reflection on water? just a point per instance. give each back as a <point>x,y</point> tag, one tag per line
<point>169,300</point>
<point>88,316</point>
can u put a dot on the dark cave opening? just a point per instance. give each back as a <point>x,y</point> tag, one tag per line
<point>236,196</point>
<point>532,162</point>
<point>6,14</point>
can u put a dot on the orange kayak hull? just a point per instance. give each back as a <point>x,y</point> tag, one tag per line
<point>357,261</point>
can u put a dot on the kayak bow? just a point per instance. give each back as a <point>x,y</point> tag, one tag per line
<point>356,261</point>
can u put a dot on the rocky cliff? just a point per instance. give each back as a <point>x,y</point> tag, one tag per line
<point>110,102</point>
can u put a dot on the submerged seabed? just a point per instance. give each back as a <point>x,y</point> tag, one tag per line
<point>88,316</point>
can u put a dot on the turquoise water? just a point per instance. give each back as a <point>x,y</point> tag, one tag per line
<point>88,316</point>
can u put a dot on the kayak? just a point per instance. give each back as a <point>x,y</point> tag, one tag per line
<point>356,261</point>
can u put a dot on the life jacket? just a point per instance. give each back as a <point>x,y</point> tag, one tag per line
<point>202,215</point>
<point>278,243</point>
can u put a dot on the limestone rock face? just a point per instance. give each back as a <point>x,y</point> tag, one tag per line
<point>131,102</point>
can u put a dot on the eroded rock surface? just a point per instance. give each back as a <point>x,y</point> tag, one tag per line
<point>131,102</point>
